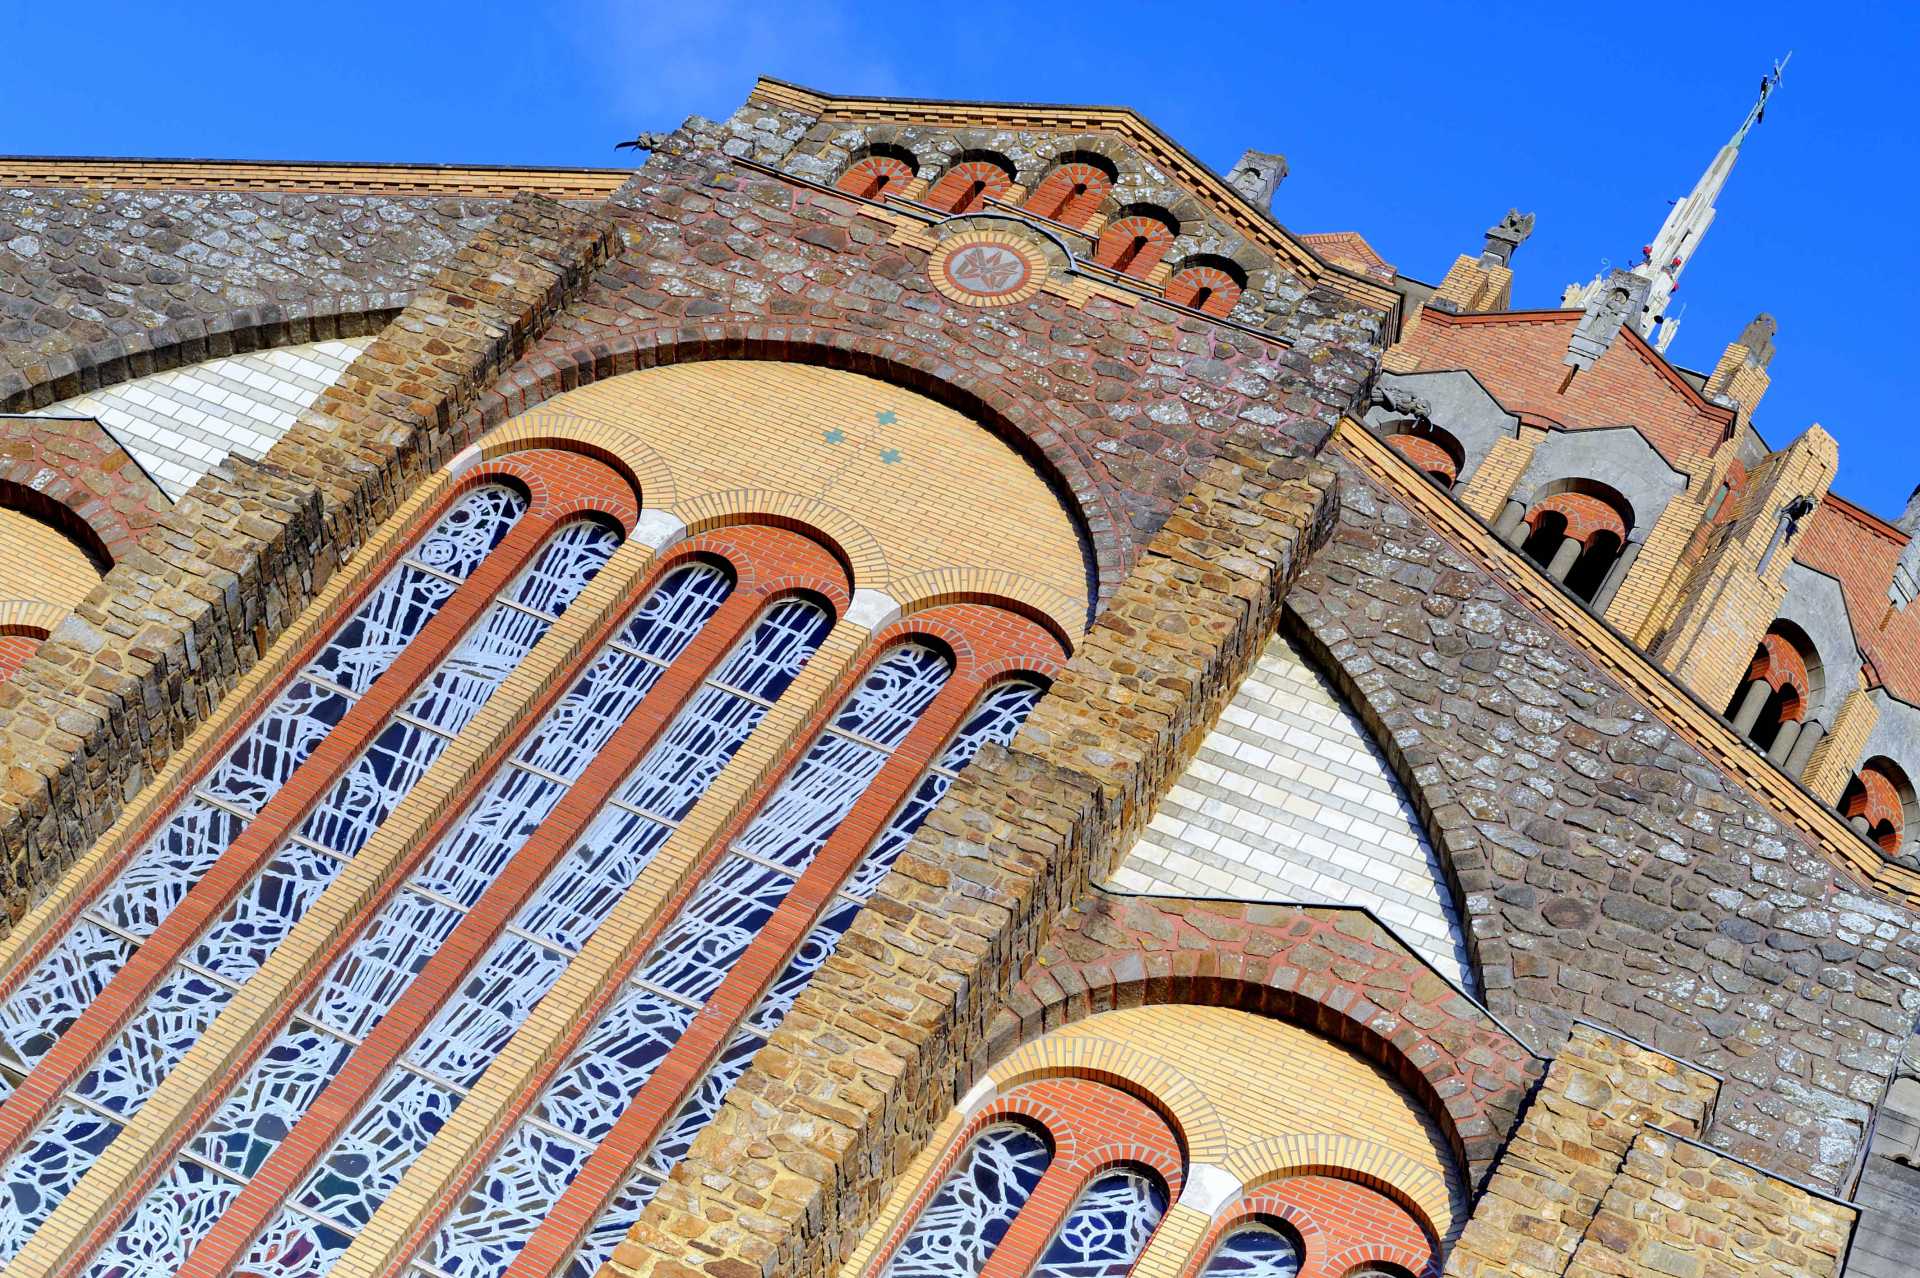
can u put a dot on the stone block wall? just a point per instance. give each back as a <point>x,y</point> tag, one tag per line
<point>1605,867</point>
<point>147,655</point>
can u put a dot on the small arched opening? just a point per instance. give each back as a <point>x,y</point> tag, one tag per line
<point>973,179</point>
<point>1774,702</point>
<point>1073,190</point>
<point>1433,450</point>
<point>1134,242</point>
<point>1878,802</point>
<point>1578,530</point>
<point>881,170</point>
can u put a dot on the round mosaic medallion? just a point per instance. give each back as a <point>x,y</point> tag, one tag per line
<point>980,268</point>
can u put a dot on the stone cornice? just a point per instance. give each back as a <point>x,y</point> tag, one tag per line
<point>474,180</point>
<point>1633,669</point>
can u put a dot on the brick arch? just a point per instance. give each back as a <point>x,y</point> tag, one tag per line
<point>1340,1220</point>
<point>194,339</point>
<point>1470,1072</point>
<point>1036,431</point>
<point>1193,1118</point>
<point>73,475</point>
<point>1264,1167</point>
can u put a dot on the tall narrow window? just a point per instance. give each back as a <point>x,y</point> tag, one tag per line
<point>367,1161</point>
<point>128,908</point>
<point>996,719</point>
<point>1108,1227</point>
<point>958,1230</point>
<point>364,982</point>
<point>682,969</point>
<point>214,968</point>
<point>1255,1250</point>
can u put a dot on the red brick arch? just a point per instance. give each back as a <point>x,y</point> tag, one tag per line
<point>1037,431</point>
<point>1072,192</point>
<point>1340,1223</point>
<point>1114,951</point>
<point>72,474</point>
<point>1586,516</point>
<point>1781,666</point>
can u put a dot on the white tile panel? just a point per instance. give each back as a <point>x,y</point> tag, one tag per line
<point>1288,800</point>
<point>181,423</point>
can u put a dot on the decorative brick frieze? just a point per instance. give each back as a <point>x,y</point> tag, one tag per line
<point>881,1044</point>
<point>151,651</point>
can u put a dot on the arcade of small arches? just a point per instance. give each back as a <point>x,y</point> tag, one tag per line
<point>1114,1147</point>
<point>1075,193</point>
<point>1579,531</point>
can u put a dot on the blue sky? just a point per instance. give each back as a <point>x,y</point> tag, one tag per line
<point>1417,125</point>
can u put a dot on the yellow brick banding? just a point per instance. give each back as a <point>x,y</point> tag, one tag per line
<point>718,441</point>
<point>40,564</point>
<point>1493,480</point>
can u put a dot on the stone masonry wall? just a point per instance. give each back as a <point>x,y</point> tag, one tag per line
<point>98,286</point>
<point>146,657</point>
<point>1604,867</point>
<point>878,1048</point>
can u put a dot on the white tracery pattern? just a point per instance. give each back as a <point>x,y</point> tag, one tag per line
<point>1107,1228</point>
<point>738,896</point>
<point>1256,1250</point>
<point>959,1228</point>
<point>155,1239</point>
<point>140,1056</point>
<point>455,1049</point>
<point>366,981</point>
<point>192,838</point>
<point>41,1172</point>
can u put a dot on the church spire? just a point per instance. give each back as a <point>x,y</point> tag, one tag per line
<point>1680,235</point>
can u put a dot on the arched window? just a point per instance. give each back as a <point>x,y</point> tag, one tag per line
<point>386,692</point>
<point>1207,283</point>
<point>1108,1227</point>
<point>1257,1249</point>
<point>1073,190</point>
<point>1771,705</point>
<point>1576,532</point>
<point>1430,448</point>
<point>1134,242</point>
<point>1877,804</point>
<point>583,885</point>
<point>972,179</point>
<point>962,1224</point>
<point>601,1101</point>
<point>884,170</point>
<point>1377,1269</point>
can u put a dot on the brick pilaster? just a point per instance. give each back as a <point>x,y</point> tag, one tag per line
<point>1838,753</point>
<point>1499,471</point>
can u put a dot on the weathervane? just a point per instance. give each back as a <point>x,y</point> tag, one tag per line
<point>1768,83</point>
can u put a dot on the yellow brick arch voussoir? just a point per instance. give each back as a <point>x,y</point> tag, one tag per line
<point>922,501</point>
<point>1178,1098</point>
<point>1345,1157</point>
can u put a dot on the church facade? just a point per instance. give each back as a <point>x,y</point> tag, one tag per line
<point>922,689</point>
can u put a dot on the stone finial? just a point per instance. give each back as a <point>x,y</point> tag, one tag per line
<point>1616,301</point>
<point>1504,238</point>
<point>1257,176</point>
<point>1758,336</point>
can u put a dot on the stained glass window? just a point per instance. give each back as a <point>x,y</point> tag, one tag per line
<point>1255,1250</point>
<point>456,1048</point>
<point>187,1000</point>
<point>1109,1225</point>
<point>959,1228</point>
<point>741,894</point>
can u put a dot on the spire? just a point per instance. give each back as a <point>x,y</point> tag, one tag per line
<point>1686,226</point>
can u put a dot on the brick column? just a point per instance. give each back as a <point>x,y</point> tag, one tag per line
<point>876,1051</point>
<point>1493,480</point>
<point>152,651</point>
<point>1727,604</point>
<point>1834,760</point>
